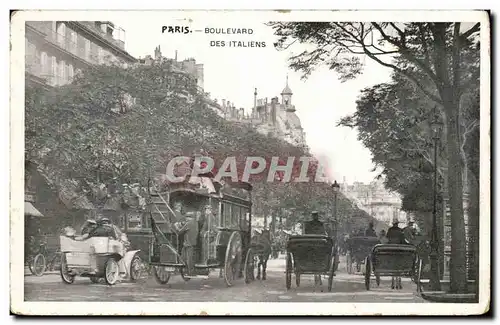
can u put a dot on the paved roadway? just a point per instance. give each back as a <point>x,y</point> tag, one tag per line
<point>346,288</point>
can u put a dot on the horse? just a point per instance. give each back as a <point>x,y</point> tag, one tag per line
<point>262,244</point>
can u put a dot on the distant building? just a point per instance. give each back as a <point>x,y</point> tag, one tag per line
<point>376,200</point>
<point>188,65</point>
<point>56,50</point>
<point>269,117</point>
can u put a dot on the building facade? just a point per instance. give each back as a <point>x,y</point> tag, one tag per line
<point>377,201</point>
<point>57,50</point>
<point>269,117</point>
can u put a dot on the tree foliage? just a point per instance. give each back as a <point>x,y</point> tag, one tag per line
<point>439,59</point>
<point>113,126</point>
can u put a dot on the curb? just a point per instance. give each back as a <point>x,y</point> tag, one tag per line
<point>440,296</point>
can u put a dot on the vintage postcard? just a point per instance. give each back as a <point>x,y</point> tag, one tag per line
<point>250,163</point>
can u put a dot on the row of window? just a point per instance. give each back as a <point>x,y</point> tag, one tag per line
<point>232,216</point>
<point>41,64</point>
<point>53,68</point>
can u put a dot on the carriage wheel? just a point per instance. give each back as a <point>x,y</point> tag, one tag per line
<point>249,268</point>
<point>349,263</point>
<point>288,277</point>
<point>136,268</point>
<point>38,265</point>
<point>112,271</point>
<point>161,275</point>
<point>368,272</point>
<point>297,279</point>
<point>232,263</point>
<point>65,276</point>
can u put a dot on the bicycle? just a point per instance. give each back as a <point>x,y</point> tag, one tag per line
<point>37,261</point>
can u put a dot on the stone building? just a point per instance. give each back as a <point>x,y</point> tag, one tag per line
<point>277,118</point>
<point>376,200</point>
<point>269,117</point>
<point>56,50</point>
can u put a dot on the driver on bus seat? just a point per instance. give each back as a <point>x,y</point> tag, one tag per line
<point>395,234</point>
<point>315,227</point>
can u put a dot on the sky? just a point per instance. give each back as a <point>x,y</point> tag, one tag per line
<point>233,73</point>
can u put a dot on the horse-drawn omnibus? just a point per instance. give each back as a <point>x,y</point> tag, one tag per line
<point>199,225</point>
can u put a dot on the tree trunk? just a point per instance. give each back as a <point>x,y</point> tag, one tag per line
<point>458,273</point>
<point>473,212</point>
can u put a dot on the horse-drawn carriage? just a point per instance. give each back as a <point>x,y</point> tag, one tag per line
<point>310,254</point>
<point>216,236</point>
<point>358,248</point>
<point>395,260</point>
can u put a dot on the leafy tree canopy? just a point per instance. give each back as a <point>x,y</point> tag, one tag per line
<point>113,126</point>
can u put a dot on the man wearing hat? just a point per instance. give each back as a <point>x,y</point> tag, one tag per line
<point>87,228</point>
<point>104,228</point>
<point>315,227</point>
<point>395,234</point>
<point>409,232</point>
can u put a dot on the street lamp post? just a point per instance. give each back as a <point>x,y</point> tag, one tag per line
<point>434,278</point>
<point>336,188</point>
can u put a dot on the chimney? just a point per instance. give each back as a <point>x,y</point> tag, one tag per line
<point>175,55</point>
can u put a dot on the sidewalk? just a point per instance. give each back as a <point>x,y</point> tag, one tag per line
<point>445,296</point>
